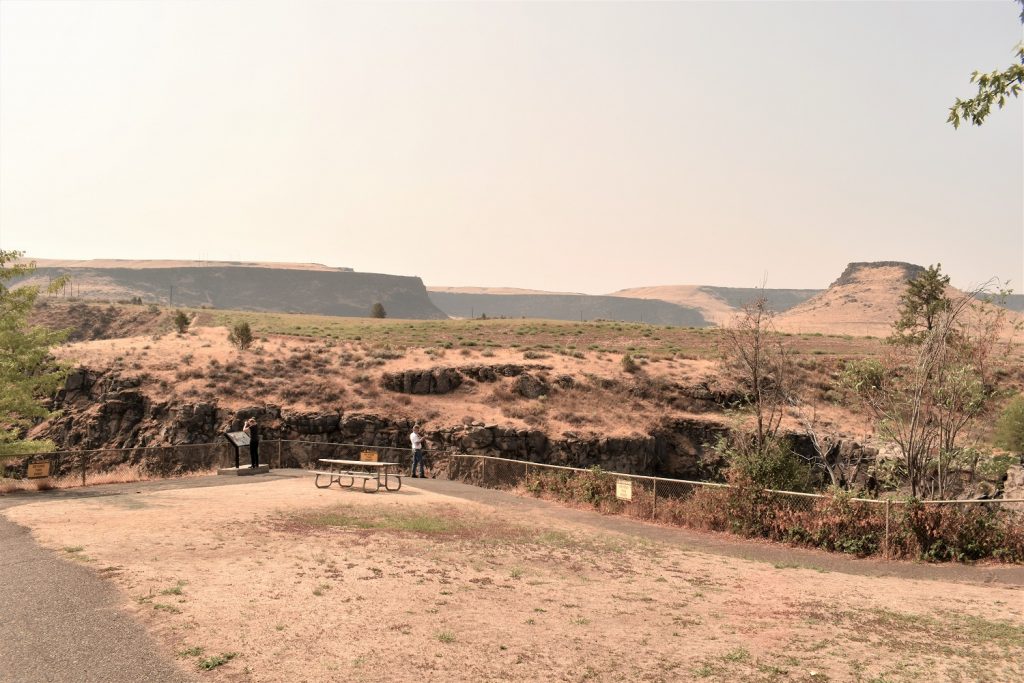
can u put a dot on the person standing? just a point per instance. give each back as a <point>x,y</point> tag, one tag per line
<point>416,439</point>
<point>252,428</point>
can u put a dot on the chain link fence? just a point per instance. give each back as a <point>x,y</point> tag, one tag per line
<point>62,469</point>
<point>937,530</point>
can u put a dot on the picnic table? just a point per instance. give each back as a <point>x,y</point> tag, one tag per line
<point>367,470</point>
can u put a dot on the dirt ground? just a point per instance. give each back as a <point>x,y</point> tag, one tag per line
<point>292,583</point>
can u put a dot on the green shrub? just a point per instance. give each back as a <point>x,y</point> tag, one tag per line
<point>241,335</point>
<point>629,365</point>
<point>1010,428</point>
<point>181,321</point>
<point>775,467</point>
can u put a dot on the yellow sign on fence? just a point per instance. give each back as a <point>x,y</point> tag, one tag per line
<point>368,456</point>
<point>38,470</point>
<point>624,489</point>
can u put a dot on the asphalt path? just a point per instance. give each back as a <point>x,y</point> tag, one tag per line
<point>60,621</point>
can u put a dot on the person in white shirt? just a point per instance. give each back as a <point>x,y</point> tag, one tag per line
<point>417,451</point>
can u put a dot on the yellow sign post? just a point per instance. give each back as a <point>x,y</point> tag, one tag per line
<point>38,470</point>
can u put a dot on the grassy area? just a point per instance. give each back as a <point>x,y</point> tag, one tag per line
<point>443,522</point>
<point>552,335</point>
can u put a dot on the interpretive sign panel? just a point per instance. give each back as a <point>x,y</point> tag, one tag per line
<point>368,456</point>
<point>238,438</point>
<point>624,489</point>
<point>38,470</point>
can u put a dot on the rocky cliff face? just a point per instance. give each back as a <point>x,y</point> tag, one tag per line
<point>110,411</point>
<point>333,292</point>
<point>854,271</point>
<point>567,307</point>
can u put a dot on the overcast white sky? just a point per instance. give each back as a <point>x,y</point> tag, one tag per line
<point>576,146</point>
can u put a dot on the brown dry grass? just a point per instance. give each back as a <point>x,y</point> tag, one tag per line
<point>321,364</point>
<point>307,374</point>
<point>322,585</point>
<point>121,474</point>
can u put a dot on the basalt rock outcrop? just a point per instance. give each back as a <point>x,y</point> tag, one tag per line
<point>106,410</point>
<point>442,380</point>
<point>433,381</point>
<point>530,386</point>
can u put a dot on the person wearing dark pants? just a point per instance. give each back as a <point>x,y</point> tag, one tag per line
<point>252,428</point>
<point>417,452</point>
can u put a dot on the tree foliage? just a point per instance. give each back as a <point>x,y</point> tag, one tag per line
<point>241,335</point>
<point>28,372</point>
<point>377,311</point>
<point>927,394</point>
<point>760,363</point>
<point>921,304</point>
<point>181,321</point>
<point>994,88</point>
<point>1010,428</point>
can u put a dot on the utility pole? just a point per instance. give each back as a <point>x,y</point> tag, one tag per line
<point>170,296</point>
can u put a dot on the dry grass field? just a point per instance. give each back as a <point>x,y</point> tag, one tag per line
<point>310,363</point>
<point>322,363</point>
<point>279,581</point>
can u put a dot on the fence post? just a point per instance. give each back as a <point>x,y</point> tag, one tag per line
<point>654,501</point>
<point>888,504</point>
<point>279,454</point>
<point>83,469</point>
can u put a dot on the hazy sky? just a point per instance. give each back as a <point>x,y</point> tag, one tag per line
<point>576,146</point>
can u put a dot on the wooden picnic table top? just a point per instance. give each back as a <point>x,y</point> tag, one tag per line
<point>367,463</point>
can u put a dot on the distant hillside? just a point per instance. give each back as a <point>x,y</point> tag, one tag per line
<point>779,300</point>
<point>719,304</point>
<point>1015,302</point>
<point>170,263</point>
<point>303,288</point>
<point>565,307</point>
<point>865,300</point>
<point>496,290</point>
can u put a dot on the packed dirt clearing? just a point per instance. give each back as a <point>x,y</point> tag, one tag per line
<point>280,581</point>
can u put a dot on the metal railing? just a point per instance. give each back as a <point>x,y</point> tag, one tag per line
<point>87,466</point>
<point>867,526</point>
<point>839,522</point>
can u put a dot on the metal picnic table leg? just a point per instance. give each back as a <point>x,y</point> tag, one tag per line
<point>366,481</point>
